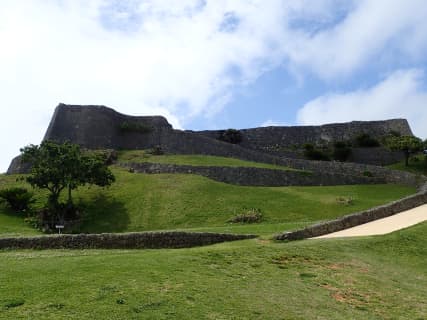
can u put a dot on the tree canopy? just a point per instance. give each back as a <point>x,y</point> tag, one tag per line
<point>59,166</point>
<point>407,144</point>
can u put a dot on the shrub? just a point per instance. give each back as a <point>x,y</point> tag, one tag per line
<point>341,151</point>
<point>347,201</point>
<point>19,199</point>
<point>395,133</point>
<point>250,216</point>
<point>311,153</point>
<point>368,174</point>
<point>14,303</point>
<point>231,136</point>
<point>365,140</point>
<point>157,150</point>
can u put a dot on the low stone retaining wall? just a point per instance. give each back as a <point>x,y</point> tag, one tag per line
<point>349,168</point>
<point>140,240</point>
<point>250,176</point>
<point>359,218</point>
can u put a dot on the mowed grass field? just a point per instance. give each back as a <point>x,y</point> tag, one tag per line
<point>382,277</point>
<point>139,202</point>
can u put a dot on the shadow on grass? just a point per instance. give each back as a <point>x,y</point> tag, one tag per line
<point>103,214</point>
<point>8,211</point>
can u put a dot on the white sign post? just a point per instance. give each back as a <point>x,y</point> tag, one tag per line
<point>59,227</point>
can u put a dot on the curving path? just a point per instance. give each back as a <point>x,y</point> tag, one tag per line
<point>382,226</point>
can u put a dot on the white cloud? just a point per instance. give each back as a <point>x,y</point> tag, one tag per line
<point>274,123</point>
<point>400,95</point>
<point>140,57</point>
<point>371,30</point>
<point>180,58</point>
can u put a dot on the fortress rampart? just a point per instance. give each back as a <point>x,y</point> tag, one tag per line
<point>99,127</point>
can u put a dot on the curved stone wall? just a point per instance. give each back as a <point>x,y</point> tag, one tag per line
<point>359,218</point>
<point>137,240</point>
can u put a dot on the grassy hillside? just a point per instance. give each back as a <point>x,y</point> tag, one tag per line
<point>381,277</point>
<point>137,202</point>
<point>140,156</point>
<point>417,164</point>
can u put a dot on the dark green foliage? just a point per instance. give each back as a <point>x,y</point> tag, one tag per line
<point>407,144</point>
<point>127,126</point>
<point>312,153</point>
<point>368,174</point>
<point>394,133</point>
<point>341,151</point>
<point>14,303</point>
<point>56,167</point>
<point>365,140</point>
<point>157,150</point>
<point>249,216</point>
<point>19,199</point>
<point>231,136</point>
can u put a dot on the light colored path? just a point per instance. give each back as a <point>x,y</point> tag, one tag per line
<point>386,225</point>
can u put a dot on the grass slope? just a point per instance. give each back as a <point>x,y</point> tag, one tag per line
<point>367,278</point>
<point>417,165</point>
<point>140,156</point>
<point>137,202</point>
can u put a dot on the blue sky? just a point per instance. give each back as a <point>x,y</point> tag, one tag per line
<point>208,64</point>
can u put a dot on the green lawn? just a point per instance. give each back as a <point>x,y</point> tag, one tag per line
<point>383,277</point>
<point>138,202</point>
<point>140,156</point>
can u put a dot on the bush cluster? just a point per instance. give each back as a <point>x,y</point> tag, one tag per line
<point>365,140</point>
<point>313,153</point>
<point>249,216</point>
<point>231,136</point>
<point>19,199</point>
<point>346,201</point>
<point>341,151</point>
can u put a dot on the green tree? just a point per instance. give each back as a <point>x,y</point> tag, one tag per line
<point>59,166</point>
<point>407,144</point>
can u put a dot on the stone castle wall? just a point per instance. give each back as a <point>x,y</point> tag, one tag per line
<point>99,127</point>
<point>359,218</point>
<point>250,176</point>
<point>268,139</point>
<point>135,240</point>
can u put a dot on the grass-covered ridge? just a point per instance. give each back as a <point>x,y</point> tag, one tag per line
<point>138,202</point>
<point>381,277</point>
<point>141,156</point>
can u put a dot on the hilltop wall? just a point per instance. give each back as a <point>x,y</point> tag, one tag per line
<point>99,127</point>
<point>271,139</point>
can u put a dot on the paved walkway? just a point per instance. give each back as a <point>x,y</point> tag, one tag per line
<point>382,226</point>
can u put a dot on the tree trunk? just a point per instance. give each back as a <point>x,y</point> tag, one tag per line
<point>70,199</point>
